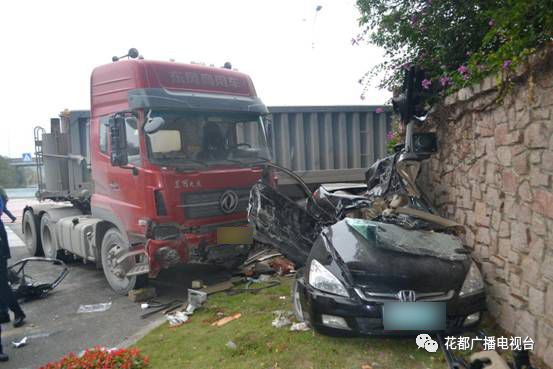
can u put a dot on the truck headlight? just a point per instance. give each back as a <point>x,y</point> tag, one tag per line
<point>473,281</point>
<point>322,279</point>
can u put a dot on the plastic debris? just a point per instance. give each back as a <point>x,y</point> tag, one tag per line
<point>299,327</point>
<point>144,305</point>
<point>195,300</point>
<point>94,308</point>
<point>281,319</point>
<point>226,320</point>
<point>21,343</point>
<point>264,278</point>
<point>177,318</point>
<point>282,297</point>
<point>231,345</point>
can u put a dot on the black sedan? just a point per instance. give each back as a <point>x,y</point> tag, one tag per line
<point>373,259</point>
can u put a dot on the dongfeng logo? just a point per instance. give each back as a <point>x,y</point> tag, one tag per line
<point>406,296</point>
<point>228,201</point>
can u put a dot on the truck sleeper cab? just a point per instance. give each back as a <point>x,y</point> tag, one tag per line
<point>165,158</point>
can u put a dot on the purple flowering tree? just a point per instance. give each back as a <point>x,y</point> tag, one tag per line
<point>455,42</point>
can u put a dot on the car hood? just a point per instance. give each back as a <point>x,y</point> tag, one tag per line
<point>386,258</point>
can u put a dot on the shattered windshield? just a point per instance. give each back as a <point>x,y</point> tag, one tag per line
<point>189,138</point>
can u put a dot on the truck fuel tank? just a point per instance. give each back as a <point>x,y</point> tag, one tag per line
<point>76,235</point>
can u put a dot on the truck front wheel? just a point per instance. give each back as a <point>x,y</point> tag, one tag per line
<point>113,247</point>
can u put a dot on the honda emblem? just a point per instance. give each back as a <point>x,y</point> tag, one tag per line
<point>407,296</point>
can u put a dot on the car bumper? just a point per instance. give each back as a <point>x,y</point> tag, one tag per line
<point>365,318</point>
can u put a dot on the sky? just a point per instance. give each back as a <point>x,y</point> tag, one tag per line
<point>294,54</point>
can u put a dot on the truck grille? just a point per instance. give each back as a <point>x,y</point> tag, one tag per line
<point>208,204</point>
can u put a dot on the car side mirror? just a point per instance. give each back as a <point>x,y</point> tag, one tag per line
<point>425,143</point>
<point>119,156</point>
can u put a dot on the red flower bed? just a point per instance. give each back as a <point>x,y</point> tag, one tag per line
<point>99,358</point>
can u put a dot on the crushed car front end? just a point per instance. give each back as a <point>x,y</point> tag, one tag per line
<point>340,291</point>
<point>353,266</point>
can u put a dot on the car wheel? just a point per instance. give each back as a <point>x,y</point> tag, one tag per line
<point>113,246</point>
<point>296,300</point>
<point>30,234</point>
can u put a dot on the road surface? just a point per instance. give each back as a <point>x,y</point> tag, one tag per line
<point>53,325</point>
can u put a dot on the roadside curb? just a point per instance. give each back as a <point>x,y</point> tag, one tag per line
<point>129,341</point>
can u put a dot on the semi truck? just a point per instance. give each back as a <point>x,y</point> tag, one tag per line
<point>150,176</point>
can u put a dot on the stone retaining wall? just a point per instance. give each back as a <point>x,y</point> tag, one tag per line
<point>494,174</point>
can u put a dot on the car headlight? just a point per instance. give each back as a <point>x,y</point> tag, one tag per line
<point>322,279</point>
<point>473,281</point>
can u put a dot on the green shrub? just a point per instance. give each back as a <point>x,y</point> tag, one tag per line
<point>457,42</point>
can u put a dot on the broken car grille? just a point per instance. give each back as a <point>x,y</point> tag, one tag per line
<point>208,204</point>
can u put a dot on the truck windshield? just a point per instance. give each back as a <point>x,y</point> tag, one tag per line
<point>192,139</point>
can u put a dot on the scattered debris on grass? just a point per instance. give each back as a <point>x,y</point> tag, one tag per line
<point>281,266</point>
<point>299,327</point>
<point>281,318</point>
<point>94,308</point>
<point>225,320</point>
<point>218,287</point>
<point>158,307</point>
<point>231,345</point>
<point>177,318</point>
<point>195,300</point>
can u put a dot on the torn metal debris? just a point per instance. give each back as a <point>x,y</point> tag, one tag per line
<point>362,247</point>
<point>27,286</point>
<point>94,308</point>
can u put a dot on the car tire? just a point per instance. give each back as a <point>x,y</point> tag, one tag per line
<point>113,244</point>
<point>31,234</point>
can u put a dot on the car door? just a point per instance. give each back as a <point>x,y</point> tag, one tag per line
<point>280,222</point>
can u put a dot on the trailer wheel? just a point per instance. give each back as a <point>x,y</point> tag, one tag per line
<point>31,235</point>
<point>48,236</point>
<point>113,246</point>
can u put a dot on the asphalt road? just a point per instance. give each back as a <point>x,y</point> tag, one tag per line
<point>53,325</point>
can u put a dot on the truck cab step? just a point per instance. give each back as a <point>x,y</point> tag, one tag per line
<point>139,269</point>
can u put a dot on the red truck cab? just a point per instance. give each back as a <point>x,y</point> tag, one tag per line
<point>173,152</point>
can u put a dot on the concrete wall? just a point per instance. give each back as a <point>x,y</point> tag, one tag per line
<point>494,174</point>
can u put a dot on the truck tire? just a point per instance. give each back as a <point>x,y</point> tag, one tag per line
<point>113,244</point>
<point>48,237</point>
<point>31,235</point>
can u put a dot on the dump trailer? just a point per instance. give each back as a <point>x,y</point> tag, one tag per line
<point>327,144</point>
<point>156,173</point>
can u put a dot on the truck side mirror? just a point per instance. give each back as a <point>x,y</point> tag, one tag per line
<point>119,156</point>
<point>269,133</point>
